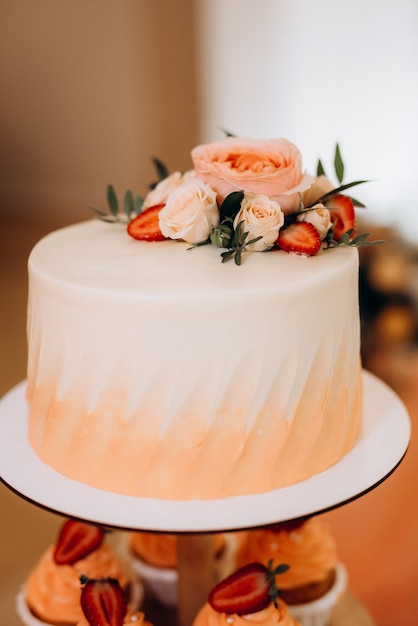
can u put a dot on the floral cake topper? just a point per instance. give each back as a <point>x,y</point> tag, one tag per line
<point>244,195</point>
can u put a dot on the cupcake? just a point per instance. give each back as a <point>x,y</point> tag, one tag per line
<point>315,579</point>
<point>51,594</point>
<point>104,602</point>
<point>154,559</point>
<point>247,596</point>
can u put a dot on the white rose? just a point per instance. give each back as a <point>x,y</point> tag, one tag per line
<point>319,216</point>
<point>162,190</point>
<point>263,218</point>
<point>319,187</point>
<point>190,212</point>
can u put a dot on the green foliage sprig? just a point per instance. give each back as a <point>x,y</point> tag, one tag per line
<point>339,170</point>
<point>347,238</point>
<point>132,205</point>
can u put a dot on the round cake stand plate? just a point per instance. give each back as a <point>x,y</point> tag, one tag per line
<point>379,450</point>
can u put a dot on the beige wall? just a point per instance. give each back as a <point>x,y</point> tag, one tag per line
<point>90,90</point>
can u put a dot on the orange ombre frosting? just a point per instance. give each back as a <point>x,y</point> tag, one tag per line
<point>160,549</point>
<point>137,618</point>
<point>53,591</point>
<point>270,616</point>
<point>308,548</point>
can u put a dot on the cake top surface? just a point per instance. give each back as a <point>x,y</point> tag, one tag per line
<point>100,256</point>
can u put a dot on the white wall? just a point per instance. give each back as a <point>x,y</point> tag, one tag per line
<point>316,73</point>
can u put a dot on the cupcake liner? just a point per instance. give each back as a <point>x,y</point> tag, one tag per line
<point>161,583</point>
<point>318,612</point>
<point>25,613</point>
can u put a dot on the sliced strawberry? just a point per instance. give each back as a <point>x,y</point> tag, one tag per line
<point>75,541</point>
<point>342,215</point>
<point>145,226</point>
<point>243,592</point>
<point>103,602</point>
<point>299,238</point>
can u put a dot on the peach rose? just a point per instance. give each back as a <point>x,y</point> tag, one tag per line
<point>319,216</point>
<point>190,212</point>
<point>270,167</point>
<point>263,218</point>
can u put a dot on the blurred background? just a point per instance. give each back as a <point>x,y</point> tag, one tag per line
<point>92,89</point>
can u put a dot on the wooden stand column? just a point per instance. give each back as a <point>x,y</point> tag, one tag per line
<point>197,574</point>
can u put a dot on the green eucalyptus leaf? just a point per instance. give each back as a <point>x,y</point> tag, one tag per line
<point>138,204</point>
<point>254,240</point>
<point>357,203</point>
<point>243,238</point>
<point>320,169</point>
<point>112,200</point>
<point>162,171</point>
<point>346,237</point>
<point>128,203</point>
<point>362,240</point>
<point>111,219</point>
<point>227,133</point>
<point>338,164</point>
<point>231,205</point>
<point>99,212</point>
<point>340,189</point>
<point>360,237</point>
<point>227,255</point>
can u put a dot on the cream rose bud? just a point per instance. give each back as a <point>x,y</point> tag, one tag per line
<point>319,216</point>
<point>320,187</point>
<point>263,218</point>
<point>190,212</point>
<point>162,190</point>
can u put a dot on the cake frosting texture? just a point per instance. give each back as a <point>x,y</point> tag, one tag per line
<point>157,371</point>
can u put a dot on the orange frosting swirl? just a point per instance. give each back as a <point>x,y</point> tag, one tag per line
<point>53,591</point>
<point>156,549</point>
<point>309,549</point>
<point>137,618</point>
<point>271,616</point>
<point>160,549</point>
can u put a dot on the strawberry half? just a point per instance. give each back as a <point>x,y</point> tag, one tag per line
<point>75,541</point>
<point>300,238</point>
<point>103,602</point>
<point>243,592</point>
<point>145,226</point>
<point>342,215</point>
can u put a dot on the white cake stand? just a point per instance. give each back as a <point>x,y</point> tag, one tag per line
<point>380,448</point>
<point>382,445</point>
